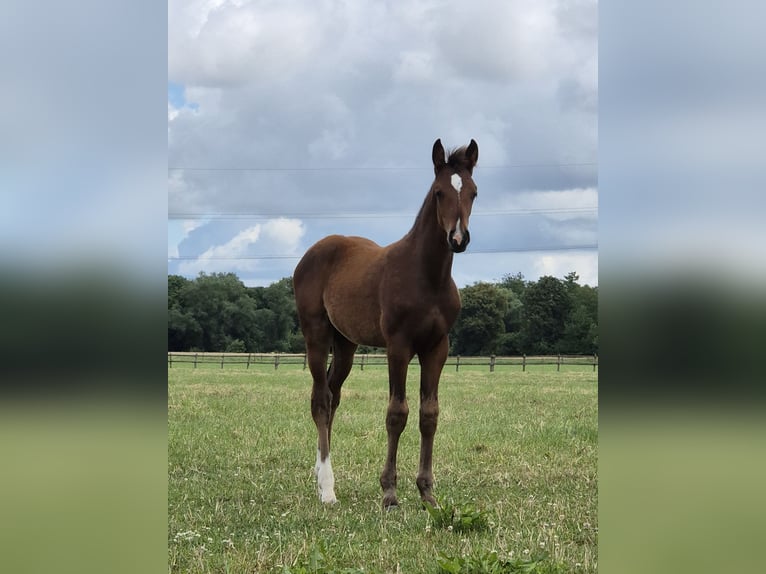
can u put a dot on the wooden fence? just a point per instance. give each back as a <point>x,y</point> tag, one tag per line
<point>363,360</point>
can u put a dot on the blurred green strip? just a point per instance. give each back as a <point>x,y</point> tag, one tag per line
<point>681,491</point>
<point>83,489</point>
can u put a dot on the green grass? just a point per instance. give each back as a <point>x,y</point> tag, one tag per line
<point>518,448</point>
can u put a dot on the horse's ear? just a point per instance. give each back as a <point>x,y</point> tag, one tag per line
<point>472,154</point>
<point>438,155</point>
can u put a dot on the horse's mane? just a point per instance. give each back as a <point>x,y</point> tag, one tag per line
<point>456,159</point>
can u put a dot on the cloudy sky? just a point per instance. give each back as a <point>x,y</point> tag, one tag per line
<point>289,121</point>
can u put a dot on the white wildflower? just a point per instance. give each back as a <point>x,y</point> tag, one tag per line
<point>187,535</point>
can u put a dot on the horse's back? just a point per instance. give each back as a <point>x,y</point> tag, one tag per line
<point>339,277</point>
<point>333,255</point>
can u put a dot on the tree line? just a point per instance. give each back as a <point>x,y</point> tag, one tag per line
<point>514,316</point>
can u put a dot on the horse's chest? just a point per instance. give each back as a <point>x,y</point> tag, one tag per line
<point>424,322</point>
<point>435,323</point>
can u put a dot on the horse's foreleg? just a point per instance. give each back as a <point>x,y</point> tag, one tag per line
<point>396,420</point>
<point>431,365</point>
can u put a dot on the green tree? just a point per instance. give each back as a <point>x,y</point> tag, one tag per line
<point>217,312</point>
<point>296,343</point>
<point>176,284</point>
<point>509,342</point>
<point>277,319</point>
<point>184,333</point>
<point>236,346</point>
<point>183,330</point>
<point>581,328</point>
<point>578,335</point>
<point>481,322</point>
<point>221,306</point>
<point>547,305</point>
<point>515,283</point>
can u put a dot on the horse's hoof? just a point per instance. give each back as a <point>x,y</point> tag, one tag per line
<point>327,497</point>
<point>390,502</point>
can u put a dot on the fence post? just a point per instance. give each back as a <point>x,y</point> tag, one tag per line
<point>223,356</point>
<point>170,358</point>
<point>558,363</point>
<point>523,362</point>
<point>248,361</point>
<point>305,360</point>
<point>276,362</point>
<point>195,360</point>
<point>594,362</point>
<point>457,364</point>
<point>361,365</point>
<point>492,363</point>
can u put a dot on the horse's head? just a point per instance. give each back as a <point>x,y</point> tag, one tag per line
<point>454,191</point>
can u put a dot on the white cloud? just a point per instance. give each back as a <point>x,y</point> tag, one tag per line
<point>414,67</point>
<point>225,257</point>
<point>577,198</point>
<point>559,264</point>
<point>233,44</point>
<point>492,267</point>
<point>322,87</point>
<point>276,237</point>
<point>517,40</point>
<point>284,234</point>
<point>178,231</point>
<point>190,225</point>
<point>331,144</point>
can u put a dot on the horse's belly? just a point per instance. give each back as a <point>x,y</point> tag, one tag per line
<point>351,294</point>
<point>362,329</point>
<point>354,310</point>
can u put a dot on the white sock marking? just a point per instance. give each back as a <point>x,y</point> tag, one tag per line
<point>325,479</point>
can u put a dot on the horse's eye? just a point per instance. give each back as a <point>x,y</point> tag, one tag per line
<point>438,194</point>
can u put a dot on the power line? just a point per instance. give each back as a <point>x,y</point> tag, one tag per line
<point>371,168</point>
<point>222,215</point>
<point>584,247</point>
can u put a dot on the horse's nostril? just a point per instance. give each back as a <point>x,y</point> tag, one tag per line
<point>457,242</point>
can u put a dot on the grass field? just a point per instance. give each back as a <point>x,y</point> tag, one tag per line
<point>520,447</point>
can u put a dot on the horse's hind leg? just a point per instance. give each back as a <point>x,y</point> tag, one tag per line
<point>318,334</point>
<point>342,360</point>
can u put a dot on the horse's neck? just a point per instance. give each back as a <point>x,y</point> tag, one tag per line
<point>427,245</point>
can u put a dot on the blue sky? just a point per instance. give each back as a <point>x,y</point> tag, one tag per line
<point>288,122</point>
<point>176,96</point>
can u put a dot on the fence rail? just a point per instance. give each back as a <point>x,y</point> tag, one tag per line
<point>363,360</point>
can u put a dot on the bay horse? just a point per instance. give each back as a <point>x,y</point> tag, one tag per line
<point>350,291</point>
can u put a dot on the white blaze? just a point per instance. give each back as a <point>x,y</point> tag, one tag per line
<point>457,182</point>
<point>325,479</point>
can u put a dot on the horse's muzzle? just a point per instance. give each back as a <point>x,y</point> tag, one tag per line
<point>459,247</point>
